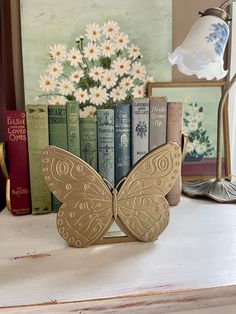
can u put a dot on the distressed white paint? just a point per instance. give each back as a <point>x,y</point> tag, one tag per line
<point>191,266</point>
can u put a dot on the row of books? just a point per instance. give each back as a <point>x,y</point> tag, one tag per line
<point>111,142</point>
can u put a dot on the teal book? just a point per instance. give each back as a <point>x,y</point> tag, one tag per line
<point>57,125</point>
<point>88,140</point>
<point>140,128</point>
<point>122,140</point>
<point>73,133</point>
<point>106,154</point>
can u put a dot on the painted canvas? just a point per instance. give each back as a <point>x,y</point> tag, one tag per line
<point>199,122</point>
<point>44,23</point>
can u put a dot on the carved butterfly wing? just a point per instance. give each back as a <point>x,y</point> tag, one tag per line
<point>142,207</point>
<point>86,212</point>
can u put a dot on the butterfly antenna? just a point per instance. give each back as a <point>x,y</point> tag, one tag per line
<point>108,182</point>
<point>119,183</point>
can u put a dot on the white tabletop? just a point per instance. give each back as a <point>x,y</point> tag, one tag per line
<point>194,260</point>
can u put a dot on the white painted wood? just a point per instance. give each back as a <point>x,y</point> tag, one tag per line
<point>196,252</point>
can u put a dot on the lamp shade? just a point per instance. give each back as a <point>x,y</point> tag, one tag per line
<point>202,51</point>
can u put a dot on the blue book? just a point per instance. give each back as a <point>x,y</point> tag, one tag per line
<point>122,140</point>
<point>140,128</point>
<point>106,154</point>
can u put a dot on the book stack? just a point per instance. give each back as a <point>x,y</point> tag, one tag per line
<point>112,142</point>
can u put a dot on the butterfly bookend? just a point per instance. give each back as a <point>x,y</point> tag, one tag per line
<point>137,203</point>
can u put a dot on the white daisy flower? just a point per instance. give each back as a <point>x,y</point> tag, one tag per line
<point>134,52</point>
<point>57,100</point>
<point>55,69</point>
<point>192,109</point>
<point>88,111</point>
<point>47,83</point>
<point>76,76</point>
<point>110,29</point>
<point>58,52</point>
<point>139,91</point>
<point>118,94</point>
<point>108,48</point>
<point>74,56</point>
<point>127,83</point>
<point>96,73</point>
<point>91,52</point>
<point>109,79</point>
<point>98,95</point>
<point>193,126</point>
<point>196,143</point>
<point>190,147</point>
<point>121,66</point>
<point>201,148</point>
<point>65,87</point>
<point>93,31</point>
<point>138,71</point>
<point>122,41</point>
<point>81,95</point>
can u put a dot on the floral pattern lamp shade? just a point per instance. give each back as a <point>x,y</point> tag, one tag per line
<point>201,53</point>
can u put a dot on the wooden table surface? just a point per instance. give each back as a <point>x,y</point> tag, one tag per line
<point>191,267</point>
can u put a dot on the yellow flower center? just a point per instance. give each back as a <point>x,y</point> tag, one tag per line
<point>121,66</point>
<point>94,33</point>
<point>91,50</point>
<point>58,53</point>
<point>97,95</point>
<point>107,47</point>
<point>110,29</point>
<point>54,69</point>
<point>47,83</point>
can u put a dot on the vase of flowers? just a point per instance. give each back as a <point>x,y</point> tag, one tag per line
<point>104,68</point>
<point>199,144</point>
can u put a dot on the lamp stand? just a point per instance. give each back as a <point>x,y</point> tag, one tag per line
<point>219,189</point>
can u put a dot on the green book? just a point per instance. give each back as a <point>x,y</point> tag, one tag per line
<point>37,131</point>
<point>57,123</point>
<point>73,134</point>
<point>88,140</point>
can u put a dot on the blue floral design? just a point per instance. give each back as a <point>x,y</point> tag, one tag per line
<point>219,34</point>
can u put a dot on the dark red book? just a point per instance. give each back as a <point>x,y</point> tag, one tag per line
<point>17,152</point>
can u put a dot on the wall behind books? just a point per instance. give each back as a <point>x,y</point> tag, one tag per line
<point>148,24</point>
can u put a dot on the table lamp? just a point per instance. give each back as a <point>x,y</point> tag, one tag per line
<point>201,54</point>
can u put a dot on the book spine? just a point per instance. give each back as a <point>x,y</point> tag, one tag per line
<point>57,124</point>
<point>157,122</point>
<point>106,154</point>
<point>88,140</point>
<point>18,162</point>
<point>140,128</point>
<point>122,116</point>
<point>174,133</point>
<point>73,134</point>
<point>37,132</point>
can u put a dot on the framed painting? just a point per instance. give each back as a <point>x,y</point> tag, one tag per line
<point>45,23</point>
<point>200,123</point>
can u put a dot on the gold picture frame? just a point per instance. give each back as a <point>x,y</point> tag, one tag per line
<point>207,96</point>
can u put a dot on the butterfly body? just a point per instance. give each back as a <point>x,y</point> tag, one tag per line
<point>89,207</point>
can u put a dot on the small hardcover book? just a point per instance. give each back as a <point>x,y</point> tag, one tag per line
<point>88,140</point>
<point>57,123</point>
<point>122,116</point>
<point>37,131</point>
<point>174,133</point>
<point>140,128</point>
<point>106,154</point>
<point>73,136</point>
<point>157,127</point>
<point>17,153</point>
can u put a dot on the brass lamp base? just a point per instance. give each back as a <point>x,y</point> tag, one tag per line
<point>221,190</point>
